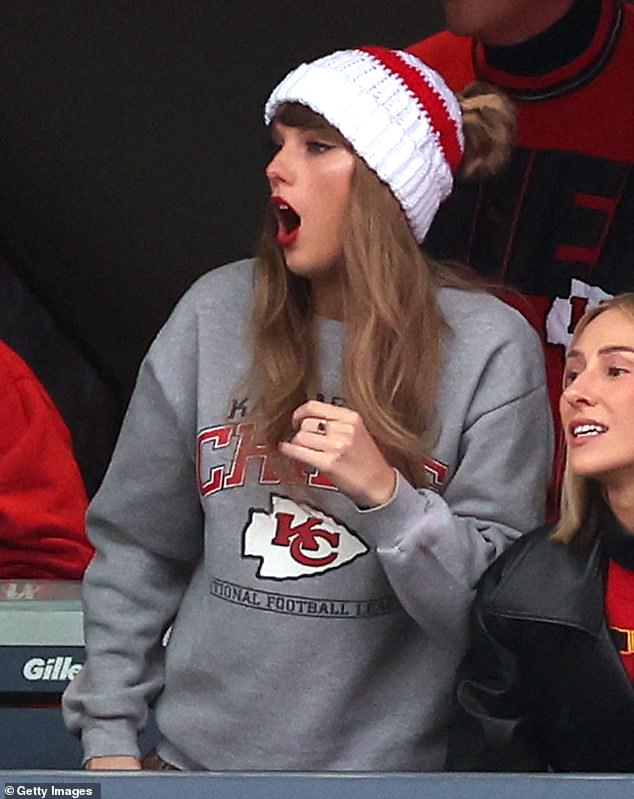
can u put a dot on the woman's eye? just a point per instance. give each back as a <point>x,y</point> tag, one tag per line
<point>617,371</point>
<point>318,147</point>
<point>569,376</point>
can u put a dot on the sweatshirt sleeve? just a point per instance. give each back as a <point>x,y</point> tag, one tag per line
<point>42,496</point>
<point>435,547</point>
<point>146,526</point>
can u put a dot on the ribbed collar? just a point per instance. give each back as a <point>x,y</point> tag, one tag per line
<point>559,60</point>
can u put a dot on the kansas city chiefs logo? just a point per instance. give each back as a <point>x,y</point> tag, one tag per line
<point>295,541</point>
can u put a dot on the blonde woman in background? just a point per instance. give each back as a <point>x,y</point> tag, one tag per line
<point>548,683</point>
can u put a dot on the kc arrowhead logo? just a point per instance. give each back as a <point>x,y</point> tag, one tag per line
<point>294,541</point>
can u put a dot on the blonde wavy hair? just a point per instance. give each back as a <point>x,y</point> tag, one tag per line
<point>394,326</point>
<point>581,496</point>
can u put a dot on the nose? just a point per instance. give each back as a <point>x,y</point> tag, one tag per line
<point>278,169</point>
<point>579,392</point>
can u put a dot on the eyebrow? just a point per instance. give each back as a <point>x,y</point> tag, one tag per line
<point>602,351</point>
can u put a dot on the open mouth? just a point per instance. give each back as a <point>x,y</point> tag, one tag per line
<point>587,430</point>
<point>288,222</point>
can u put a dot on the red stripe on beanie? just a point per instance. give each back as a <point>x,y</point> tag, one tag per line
<point>428,98</point>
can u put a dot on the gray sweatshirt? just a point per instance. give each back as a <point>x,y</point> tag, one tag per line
<point>306,634</point>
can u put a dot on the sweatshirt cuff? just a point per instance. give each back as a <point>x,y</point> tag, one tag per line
<point>116,738</point>
<point>384,525</point>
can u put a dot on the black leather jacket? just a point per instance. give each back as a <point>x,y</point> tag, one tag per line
<point>542,687</point>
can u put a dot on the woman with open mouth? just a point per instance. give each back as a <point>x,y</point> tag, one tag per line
<point>326,447</point>
<point>548,683</point>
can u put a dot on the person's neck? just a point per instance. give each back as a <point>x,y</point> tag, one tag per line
<point>620,498</point>
<point>548,41</point>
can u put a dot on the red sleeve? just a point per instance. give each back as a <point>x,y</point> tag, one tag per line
<point>42,496</point>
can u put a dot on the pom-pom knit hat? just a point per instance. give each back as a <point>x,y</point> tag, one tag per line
<point>398,115</point>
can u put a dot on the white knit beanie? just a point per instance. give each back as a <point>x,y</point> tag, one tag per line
<point>397,113</point>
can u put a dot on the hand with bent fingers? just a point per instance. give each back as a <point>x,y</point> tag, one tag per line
<point>335,441</point>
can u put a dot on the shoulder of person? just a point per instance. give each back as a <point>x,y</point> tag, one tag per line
<point>17,376</point>
<point>221,296</point>
<point>12,366</point>
<point>231,283</point>
<point>477,313</point>
<point>491,353</point>
<point>214,310</point>
<point>533,566</point>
